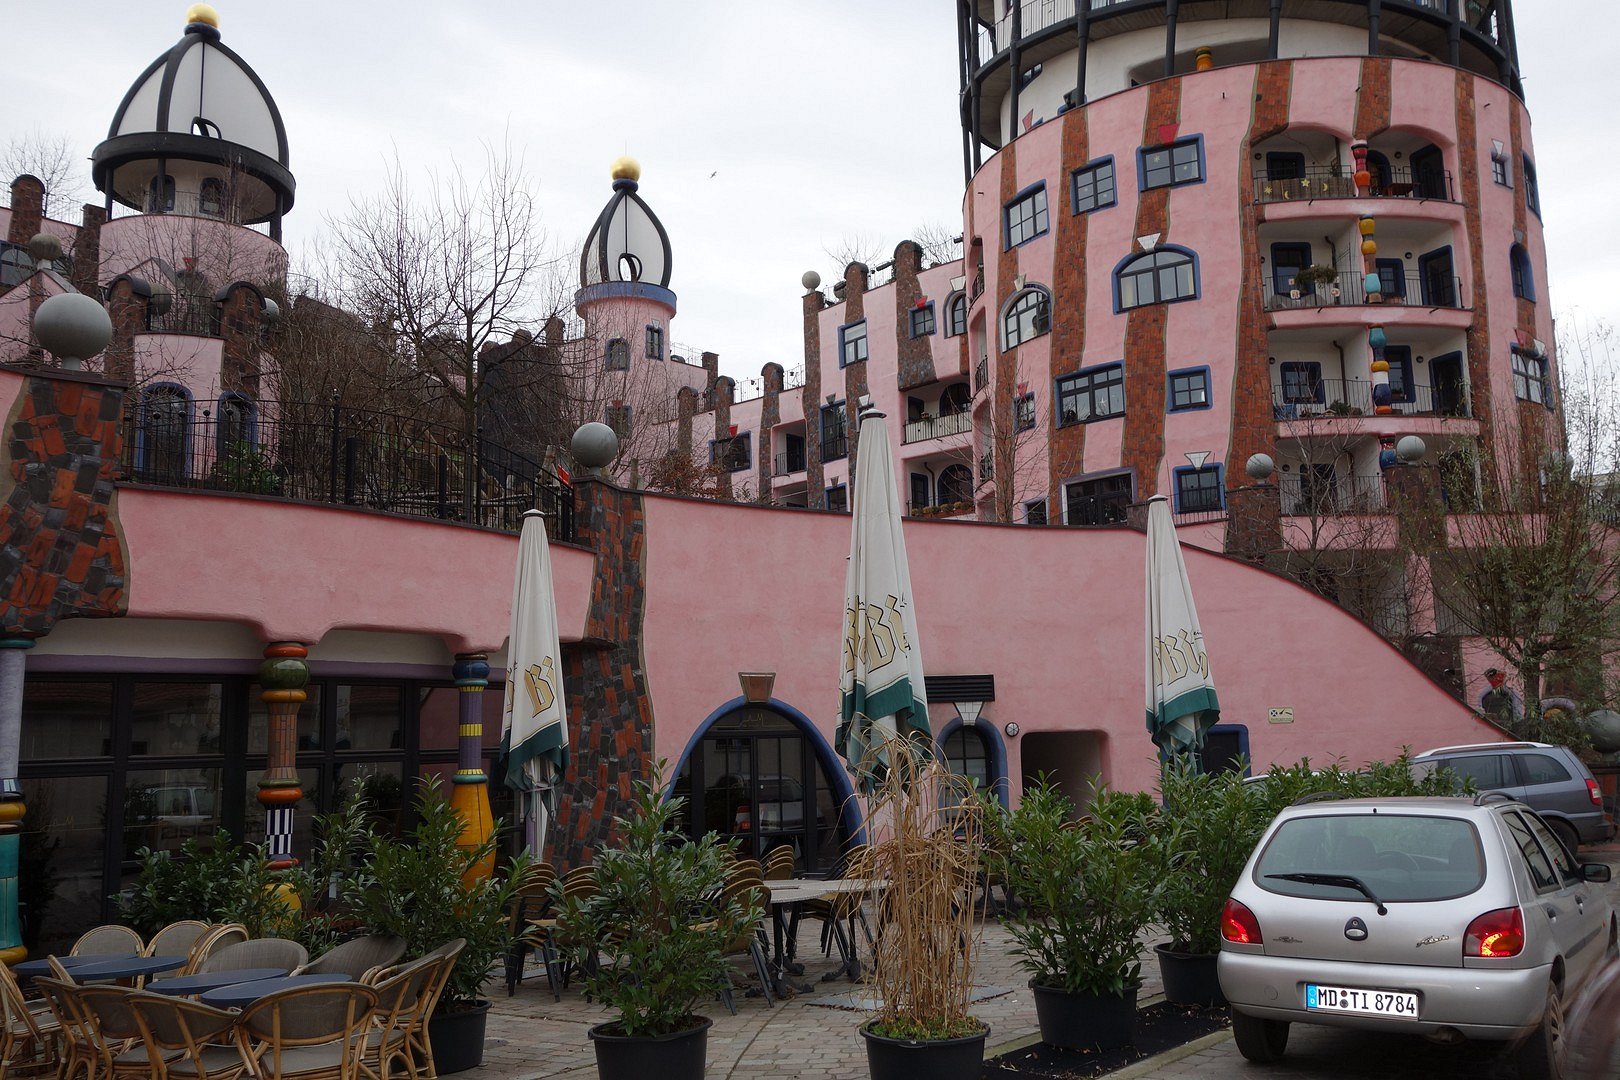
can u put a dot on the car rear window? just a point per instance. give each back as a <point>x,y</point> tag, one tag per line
<point>1400,857</point>
<point>1542,769</point>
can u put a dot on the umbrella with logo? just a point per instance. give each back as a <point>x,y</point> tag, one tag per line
<point>534,726</point>
<point>1181,702</point>
<point>881,693</point>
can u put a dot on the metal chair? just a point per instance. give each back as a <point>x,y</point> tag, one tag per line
<point>751,941</point>
<point>176,938</point>
<point>530,904</point>
<point>192,1030</point>
<point>221,936</point>
<point>579,883</point>
<point>111,940</point>
<point>30,1038</point>
<point>258,953</point>
<point>402,1003</point>
<point>356,958</point>
<point>308,1032</point>
<point>119,1040</point>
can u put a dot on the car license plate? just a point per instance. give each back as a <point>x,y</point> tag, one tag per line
<point>1398,1003</point>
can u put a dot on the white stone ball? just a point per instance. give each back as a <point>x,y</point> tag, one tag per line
<point>811,281</point>
<point>1603,727</point>
<point>1411,449</point>
<point>72,326</point>
<point>45,248</point>
<point>1259,466</point>
<point>595,445</point>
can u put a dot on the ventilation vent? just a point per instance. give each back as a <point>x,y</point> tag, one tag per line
<point>948,688</point>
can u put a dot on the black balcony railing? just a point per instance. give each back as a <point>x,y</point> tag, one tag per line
<point>1311,399</point>
<point>1312,494</point>
<point>935,427</point>
<point>1330,182</point>
<point>788,462</point>
<point>981,374</point>
<point>186,315</point>
<point>331,454</point>
<point>1347,289</point>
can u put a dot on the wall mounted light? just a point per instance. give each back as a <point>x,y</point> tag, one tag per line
<point>1012,729</point>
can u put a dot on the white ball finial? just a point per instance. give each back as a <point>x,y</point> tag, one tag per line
<point>1259,467</point>
<point>595,445</point>
<point>45,249</point>
<point>811,281</point>
<point>1411,449</point>
<point>73,327</point>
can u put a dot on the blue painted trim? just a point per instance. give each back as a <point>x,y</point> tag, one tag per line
<point>250,421</point>
<point>1169,388</point>
<point>626,290</point>
<point>995,753</point>
<point>1141,163</point>
<point>842,363</point>
<point>1242,731</point>
<point>1198,282</point>
<point>1006,207</point>
<point>849,812</point>
<point>1012,302</point>
<point>1532,189</point>
<point>954,298</point>
<point>1423,275</point>
<point>1376,160</point>
<point>185,435</point>
<point>911,320</point>
<point>1181,470</point>
<point>1399,268</point>
<point>1057,396</point>
<point>1519,266</point>
<point>835,487</point>
<point>1278,285</point>
<point>1074,185</point>
<point>1041,502</point>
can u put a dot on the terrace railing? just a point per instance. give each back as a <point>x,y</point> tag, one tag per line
<point>935,427</point>
<point>1353,397</point>
<point>331,454</point>
<point>1348,288</point>
<point>1330,182</point>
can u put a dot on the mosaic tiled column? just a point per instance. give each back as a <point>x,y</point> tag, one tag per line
<point>12,652</point>
<point>470,792</point>
<point>282,678</point>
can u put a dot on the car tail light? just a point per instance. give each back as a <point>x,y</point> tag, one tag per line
<point>1239,924</point>
<point>1495,934</point>
<point>1592,790</point>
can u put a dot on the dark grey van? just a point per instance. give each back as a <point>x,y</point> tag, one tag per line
<point>1549,779</point>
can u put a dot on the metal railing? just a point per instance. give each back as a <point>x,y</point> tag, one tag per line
<point>790,461</point>
<point>186,315</point>
<point>1353,397</point>
<point>328,453</point>
<point>981,374</point>
<point>936,427</point>
<point>1348,289</point>
<point>792,378</point>
<point>1330,182</point>
<point>1309,495</point>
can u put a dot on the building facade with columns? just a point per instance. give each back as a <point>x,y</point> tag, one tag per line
<point>225,611</point>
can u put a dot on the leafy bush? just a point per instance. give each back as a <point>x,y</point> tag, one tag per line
<point>653,939</point>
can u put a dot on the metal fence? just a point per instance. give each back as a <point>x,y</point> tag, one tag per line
<point>1347,288</point>
<point>935,427</point>
<point>1331,182</point>
<point>1353,397</point>
<point>1307,494</point>
<point>332,454</point>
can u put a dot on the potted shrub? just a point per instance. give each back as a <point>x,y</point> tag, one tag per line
<point>928,846</point>
<point>421,887</point>
<point>652,940</point>
<point>1085,891</point>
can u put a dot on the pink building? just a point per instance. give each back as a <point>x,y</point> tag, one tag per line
<point>171,580</point>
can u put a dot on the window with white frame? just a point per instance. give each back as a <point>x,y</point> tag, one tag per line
<point>852,343</point>
<point>1094,394</point>
<point>1499,170</point>
<point>1025,217</point>
<point>1024,412</point>
<point>1029,315</point>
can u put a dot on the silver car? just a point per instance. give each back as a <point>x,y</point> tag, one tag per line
<point>1447,917</point>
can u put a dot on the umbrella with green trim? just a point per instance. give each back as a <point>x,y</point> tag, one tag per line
<point>1181,701</point>
<point>534,725</point>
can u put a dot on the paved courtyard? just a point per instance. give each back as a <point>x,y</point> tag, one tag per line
<point>533,1037</point>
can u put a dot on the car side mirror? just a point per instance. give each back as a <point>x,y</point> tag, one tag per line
<point>1596,872</point>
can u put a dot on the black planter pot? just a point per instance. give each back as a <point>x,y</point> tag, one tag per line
<point>458,1038</point>
<point>670,1057</point>
<point>1189,978</point>
<point>1081,1021</point>
<point>936,1059</point>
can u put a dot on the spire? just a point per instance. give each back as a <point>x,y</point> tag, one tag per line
<point>628,242</point>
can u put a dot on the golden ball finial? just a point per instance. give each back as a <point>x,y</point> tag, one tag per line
<point>626,168</point>
<point>202,13</point>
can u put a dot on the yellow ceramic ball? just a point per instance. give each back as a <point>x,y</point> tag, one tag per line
<point>626,168</point>
<point>1369,247</point>
<point>1380,365</point>
<point>202,13</point>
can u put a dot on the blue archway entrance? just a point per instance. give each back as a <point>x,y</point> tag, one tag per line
<point>762,774</point>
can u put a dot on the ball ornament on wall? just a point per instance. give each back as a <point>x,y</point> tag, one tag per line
<point>811,281</point>
<point>1259,467</point>
<point>1410,449</point>
<point>594,445</point>
<point>73,327</point>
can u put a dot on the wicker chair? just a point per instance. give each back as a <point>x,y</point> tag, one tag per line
<point>418,1043</point>
<point>258,953</point>
<point>177,938</point>
<point>530,904</point>
<point>109,940</point>
<point>544,934</point>
<point>120,1042</point>
<point>220,937</point>
<point>356,958</point>
<point>779,863</point>
<point>77,1051</point>
<point>751,941</point>
<point>403,997</point>
<point>30,1038</point>
<point>308,1032</point>
<point>839,908</point>
<point>200,1034</point>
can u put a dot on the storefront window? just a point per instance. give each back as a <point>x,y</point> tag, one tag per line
<point>66,719</point>
<point>309,720</point>
<point>62,860</point>
<point>175,718</point>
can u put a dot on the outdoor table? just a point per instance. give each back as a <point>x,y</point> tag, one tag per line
<point>242,994</point>
<point>129,967</point>
<point>42,966</point>
<point>187,985</point>
<point>789,894</point>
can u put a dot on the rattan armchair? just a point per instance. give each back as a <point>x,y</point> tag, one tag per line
<point>177,938</point>
<point>308,1032</point>
<point>77,1052</point>
<point>356,958</point>
<point>111,940</point>
<point>30,1039</point>
<point>222,936</point>
<point>120,1042</point>
<point>419,1044</point>
<point>259,953</point>
<point>404,997</point>
<point>779,863</point>
<point>748,885</point>
<point>545,935</point>
<point>202,1036</point>
<point>529,905</point>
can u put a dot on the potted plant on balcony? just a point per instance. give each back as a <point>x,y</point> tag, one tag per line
<point>1314,277</point>
<point>653,937</point>
<point>1086,889</point>
<point>928,848</point>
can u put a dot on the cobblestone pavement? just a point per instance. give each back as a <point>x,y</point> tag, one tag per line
<point>531,1037</point>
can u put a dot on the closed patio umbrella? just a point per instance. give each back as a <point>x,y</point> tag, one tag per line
<point>534,724</point>
<point>1181,702</point>
<point>881,691</point>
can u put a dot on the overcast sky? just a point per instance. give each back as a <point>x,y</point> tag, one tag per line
<point>768,132</point>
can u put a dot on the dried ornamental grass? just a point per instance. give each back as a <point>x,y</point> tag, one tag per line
<point>927,829</point>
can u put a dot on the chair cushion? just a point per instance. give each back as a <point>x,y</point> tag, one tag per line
<point>216,1060</point>
<point>303,1059</point>
<point>137,1054</point>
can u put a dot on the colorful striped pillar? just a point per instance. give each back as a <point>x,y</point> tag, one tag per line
<point>282,678</point>
<point>470,792</point>
<point>12,653</point>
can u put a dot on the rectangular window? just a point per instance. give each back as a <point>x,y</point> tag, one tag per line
<point>1302,383</point>
<point>1188,390</point>
<point>1399,358</point>
<point>1024,413</point>
<point>733,454</point>
<point>852,343</point>
<point>618,418</point>
<point>1499,170</point>
<point>1035,513</point>
<point>1532,193</point>
<point>922,321</point>
<point>834,432</point>
<point>1094,394</point>
<point>1530,378</point>
<point>1098,502</point>
<point>919,491</point>
<point>1025,217</point>
<point>1287,260</point>
<point>1199,490</point>
<point>1094,186</point>
<point>1392,278</point>
<point>655,342</point>
<point>618,355</point>
<point>1181,162</point>
<point>838,498</point>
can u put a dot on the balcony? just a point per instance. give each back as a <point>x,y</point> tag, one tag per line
<point>1326,182</point>
<point>936,427</point>
<point>1310,495</point>
<point>186,315</point>
<point>1336,398</point>
<point>981,374</point>
<point>1347,289</point>
<point>789,462</point>
<point>328,454</point>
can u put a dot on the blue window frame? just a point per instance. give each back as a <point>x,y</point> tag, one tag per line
<point>655,342</point>
<point>1162,276</point>
<point>1188,390</point>
<point>1530,382</point>
<point>1302,383</point>
<point>618,355</point>
<point>1177,163</point>
<point>1226,749</point>
<point>919,491</point>
<point>922,320</point>
<point>1532,192</point>
<point>1199,490</point>
<point>834,432</point>
<point>838,498</point>
<point>1035,512</point>
<point>617,417</point>
<point>1438,278</point>
<point>1287,260</point>
<point>851,343</point>
<point>956,309</point>
<point>1284,165</point>
<point>1499,170</point>
<point>1524,284</point>
<point>163,441</point>
<point>1399,358</point>
<point>1024,218</point>
<point>1094,187</point>
<point>1096,393</point>
<point>1392,278</point>
<point>236,425</point>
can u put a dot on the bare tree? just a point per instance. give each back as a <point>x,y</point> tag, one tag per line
<point>940,243</point>
<point>856,248</point>
<point>51,158</point>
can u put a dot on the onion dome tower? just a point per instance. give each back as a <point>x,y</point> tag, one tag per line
<point>624,295</point>
<point>198,133</point>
